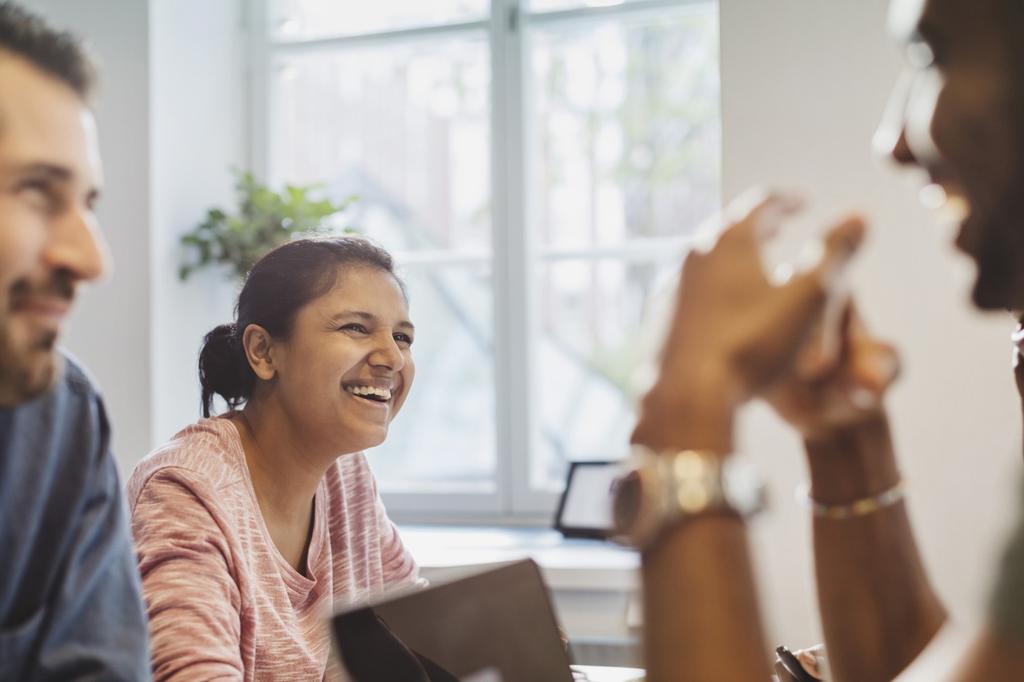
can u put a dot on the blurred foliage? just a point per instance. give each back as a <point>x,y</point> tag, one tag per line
<point>264,220</point>
<point>668,168</point>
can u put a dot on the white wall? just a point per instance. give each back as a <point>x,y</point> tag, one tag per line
<point>198,55</point>
<point>804,83</point>
<point>110,330</point>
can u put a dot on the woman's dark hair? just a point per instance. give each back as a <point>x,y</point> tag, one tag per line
<point>277,286</point>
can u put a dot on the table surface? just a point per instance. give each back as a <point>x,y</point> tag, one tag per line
<point>599,673</point>
<point>566,563</point>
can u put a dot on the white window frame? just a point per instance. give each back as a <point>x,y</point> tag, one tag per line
<point>514,499</point>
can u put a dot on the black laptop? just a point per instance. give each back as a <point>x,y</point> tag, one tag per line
<point>495,626</point>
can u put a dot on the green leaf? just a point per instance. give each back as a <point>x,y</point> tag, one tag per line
<point>263,220</point>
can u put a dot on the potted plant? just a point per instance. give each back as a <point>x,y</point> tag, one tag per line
<point>264,220</point>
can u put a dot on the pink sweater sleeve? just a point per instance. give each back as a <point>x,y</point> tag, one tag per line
<point>187,579</point>
<point>397,562</point>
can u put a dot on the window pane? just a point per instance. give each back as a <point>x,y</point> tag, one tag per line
<point>597,319</point>
<point>307,19</point>
<point>626,127</point>
<point>405,128</point>
<point>443,440</point>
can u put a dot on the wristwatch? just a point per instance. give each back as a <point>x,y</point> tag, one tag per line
<point>661,490</point>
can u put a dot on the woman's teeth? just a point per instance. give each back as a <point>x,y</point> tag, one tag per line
<point>371,392</point>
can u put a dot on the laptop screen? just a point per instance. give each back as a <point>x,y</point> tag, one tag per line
<point>495,626</point>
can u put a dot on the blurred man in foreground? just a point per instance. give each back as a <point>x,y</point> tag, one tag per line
<point>959,114</point>
<point>70,602</point>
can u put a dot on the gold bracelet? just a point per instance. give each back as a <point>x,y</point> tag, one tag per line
<point>861,507</point>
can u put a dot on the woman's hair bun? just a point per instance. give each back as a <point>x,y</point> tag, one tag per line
<point>223,368</point>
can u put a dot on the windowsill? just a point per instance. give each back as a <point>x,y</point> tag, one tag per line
<point>567,563</point>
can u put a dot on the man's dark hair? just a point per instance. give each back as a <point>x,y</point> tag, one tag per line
<point>57,53</point>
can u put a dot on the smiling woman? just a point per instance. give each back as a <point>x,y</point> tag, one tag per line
<point>253,525</point>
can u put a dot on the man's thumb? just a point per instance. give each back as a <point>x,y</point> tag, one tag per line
<point>841,243</point>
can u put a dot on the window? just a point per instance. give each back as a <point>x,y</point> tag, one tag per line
<point>537,167</point>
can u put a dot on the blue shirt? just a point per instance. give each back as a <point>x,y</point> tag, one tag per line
<point>70,601</point>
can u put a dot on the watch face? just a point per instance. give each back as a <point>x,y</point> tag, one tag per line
<point>744,491</point>
<point>626,506</point>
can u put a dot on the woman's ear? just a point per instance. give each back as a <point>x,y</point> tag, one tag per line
<point>258,345</point>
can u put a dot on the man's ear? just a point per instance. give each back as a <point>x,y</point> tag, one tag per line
<point>258,345</point>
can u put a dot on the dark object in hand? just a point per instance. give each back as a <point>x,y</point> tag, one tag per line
<point>792,665</point>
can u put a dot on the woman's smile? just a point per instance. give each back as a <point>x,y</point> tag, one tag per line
<point>375,396</point>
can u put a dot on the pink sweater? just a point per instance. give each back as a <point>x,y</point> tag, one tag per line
<point>223,603</point>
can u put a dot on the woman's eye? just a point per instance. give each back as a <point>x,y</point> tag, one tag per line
<point>403,338</point>
<point>354,327</point>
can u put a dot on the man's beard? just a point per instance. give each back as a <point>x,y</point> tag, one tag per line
<point>27,373</point>
<point>997,249</point>
<point>998,282</point>
<point>30,367</point>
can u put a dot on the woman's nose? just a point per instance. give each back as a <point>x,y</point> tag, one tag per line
<point>387,354</point>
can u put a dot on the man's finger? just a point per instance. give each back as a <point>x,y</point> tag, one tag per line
<point>829,343</point>
<point>876,366</point>
<point>801,303</point>
<point>794,309</point>
<point>841,244</point>
<point>758,214</point>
